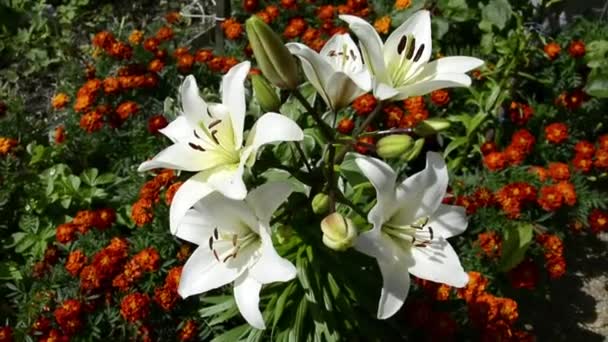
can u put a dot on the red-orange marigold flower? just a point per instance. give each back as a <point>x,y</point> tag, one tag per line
<point>550,198</point>
<point>383,24</point>
<point>171,190</point>
<point>346,125</point>
<point>568,191</point>
<point>142,212</point>
<point>514,155</point>
<point>165,297</point>
<point>326,12</point>
<point>250,5</point>
<point>103,39</point>
<point>495,161</point>
<point>164,33</point>
<point>601,159</point>
<point>559,171</point>
<point>135,307</point>
<point>126,109</point>
<point>173,17</point>
<point>136,37</point>
<point>582,164</point>
<point>151,44</point>
<point>75,262</point>
<point>364,104</point>
<point>598,221</point>
<point>203,55</point>
<point>68,316</point>
<point>66,232</point>
<point>232,29</point>
<point>552,50</point>
<point>402,4</point>
<point>476,286</point>
<point>556,266</point>
<point>91,121</point>
<point>60,100</point>
<point>556,132</point>
<point>6,145</point>
<point>523,140</point>
<point>584,148</point>
<point>488,147</point>
<point>289,4</point>
<point>524,275</point>
<point>602,141</point>
<point>576,48</point>
<point>83,102</point>
<point>540,172</point>
<point>188,331</point>
<point>156,123</point>
<point>365,144</point>
<point>490,243</point>
<point>440,97</point>
<point>59,134</point>
<point>520,113</point>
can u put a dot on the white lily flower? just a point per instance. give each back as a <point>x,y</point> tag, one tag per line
<point>208,139</point>
<point>235,245</point>
<point>410,228</point>
<point>337,72</point>
<point>401,67</point>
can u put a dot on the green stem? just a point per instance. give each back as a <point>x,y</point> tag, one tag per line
<point>331,182</point>
<point>303,156</point>
<point>325,129</point>
<point>350,204</point>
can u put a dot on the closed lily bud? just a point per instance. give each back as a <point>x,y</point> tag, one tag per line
<point>414,151</point>
<point>265,94</point>
<point>320,203</point>
<point>393,146</point>
<point>338,232</point>
<point>431,127</point>
<point>272,56</point>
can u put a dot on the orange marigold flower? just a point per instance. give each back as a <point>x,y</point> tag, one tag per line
<point>151,44</point>
<point>65,233</point>
<point>364,104</point>
<point>414,104</point>
<point>602,141</point>
<point>524,275</point>
<point>6,145</point>
<point>582,164</point>
<point>250,5</point>
<point>156,123</point>
<point>295,28</point>
<point>556,266</point>
<point>148,259</point>
<point>365,144</point>
<point>103,39</point>
<point>42,325</point>
<point>75,262</point>
<point>83,102</point>
<point>59,134</point>
<point>440,97</point>
<point>584,148</point>
<point>68,316</point>
<point>105,218</point>
<point>184,252</point>
<point>273,11</point>
<point>383,24</point>
<point>550,198</point>
<point>483,308</point>
<point>508,310</point>
<point>488,147</point>
<point>310,35</point>
<point>173,277</point>
<point>490,243</point>
<point>476,286</point>
<point>540,172</point>
<point>576,48</point>
<point>514,155</point>
<point>85,218</point>
<point>289,4</point>
<point>111,85</point>
<point>171,192</point>
<point>120,50</point>
<point>188,331</point>
<point>91,121</point>
<point>468,203</point>
<point>90,279</point>
<point>495,161</point>
<point>142,212</point>
<point>568,191</point>
<point>575,99</point>
<point>598,221</point>
<point>173,17</point>
<point>523,140</point>
<point>317,44</point>
<point>126,109</point>
<point>559,171</point>
<point>165,297</point>
<point>203,55</point>
<point>216,64</point>
<point>556,132</point>
<point>483,197</point>
<point>393,114</point>
<point>229,62</point>
<point>551,243</point>
<point>232,29</point>
<point>326,12</point>
<point>402,4</point>
<point>6,334</point>
<point>136,37</point>
<point>184,63</point>
<point>60,100</point>
<point>520,113</point>
<point>135,307</point>
<point>601,159</point>
<point>265,17</point>
<point>164,33</point>
<point>552,50</point>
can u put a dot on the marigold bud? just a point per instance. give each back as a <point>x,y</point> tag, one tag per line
<point>265,94</point>
<point>393,146</point>
<point>338,232</point>
<point>272,56</point>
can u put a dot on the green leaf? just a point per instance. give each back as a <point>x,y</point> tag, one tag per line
<point>454,144</point>
<point>597,86</point>
<point>9,270</point>
<point>280,305</point>
<point>29,223</point>
<point>282,175</point>
<point>295,335</point>
<point>89,176</point>
<point>515,244</point>
<point>292,108</point>
<point>233,334</point>
<point>351,172</point>
<point>497,12</point>
<point>222,306</point>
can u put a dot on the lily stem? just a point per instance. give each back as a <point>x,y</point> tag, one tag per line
<point>370,118</point>
<point>303,156</point>
<point>331,182</point>
<point>350,204</point>
<point>325,129</point>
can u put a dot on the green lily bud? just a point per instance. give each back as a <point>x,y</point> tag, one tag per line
<point>265,94</point>
<point>414,151</point>
<point>272,56</point>
<point>320,203</point>
<point>338,232</point>
<point>431,127</point>
<point>393,146</point>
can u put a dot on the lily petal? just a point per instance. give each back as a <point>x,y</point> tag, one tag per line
<point>178,129</point>
<point>342,91</point>
<point>202,273</point>
<point>420,195</point>
<point>233,96</point>
<point>229,215</point>
<point>383,91</point>
<point>195,228</point>
<point>418,26</point>
<point>247,296</point>
<point>371,45</point>
<point>450,65</point>
<point>438,262</point>
<point>267,198</point>
<point>271,267</point>
<point>228,180</point>
<point>383,179</point>
<point>181,156</point>
<point>189,193</point>
<point>316,69</point>
<point>194,107</point>
<point>271,128</point>
<point>439,81</point>
<point>449,220</point>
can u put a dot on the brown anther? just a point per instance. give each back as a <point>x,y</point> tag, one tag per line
<point>213,133</point>
<point>216,234</point>
<point>401,45</point>
<point>196,147</point>
<point>214,123</point>
<point>211,242</point>
<point>419,53</point>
